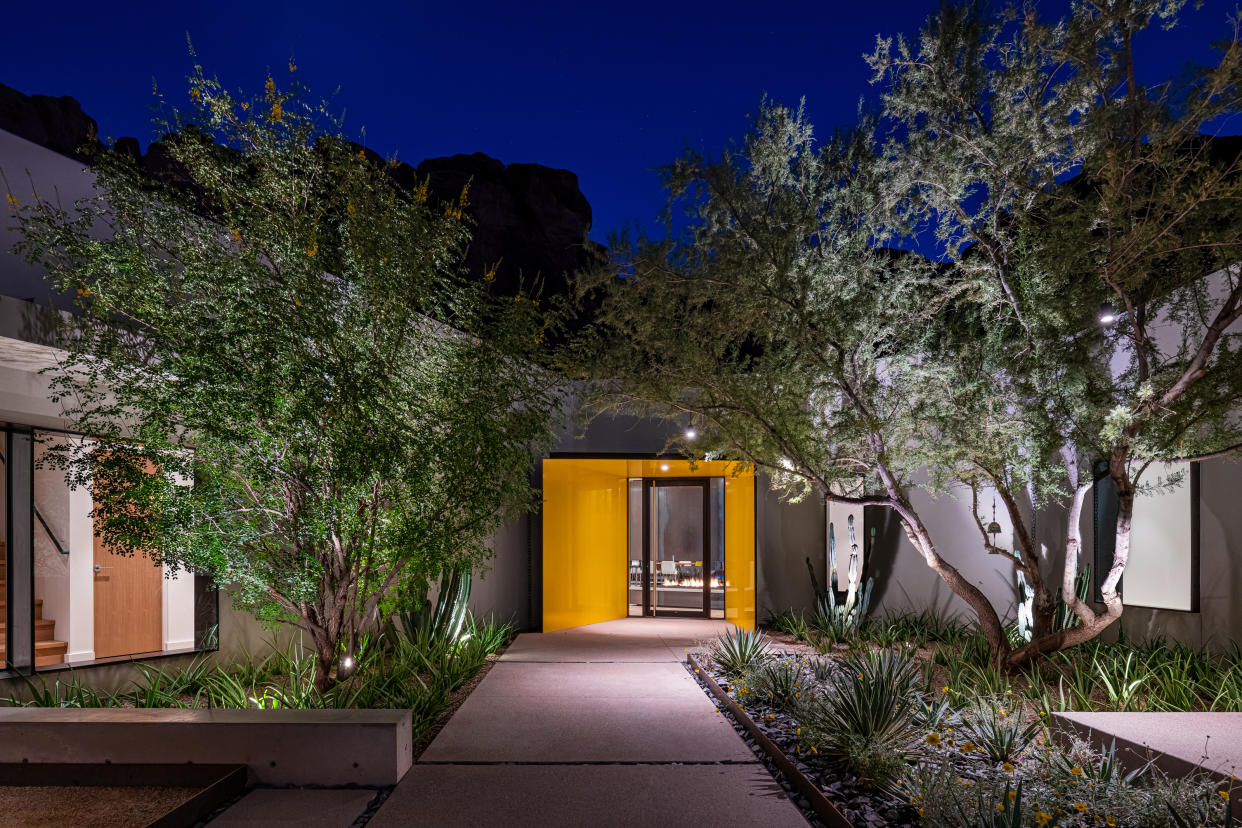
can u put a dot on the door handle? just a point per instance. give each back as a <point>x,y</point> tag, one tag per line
<point>97,567</point>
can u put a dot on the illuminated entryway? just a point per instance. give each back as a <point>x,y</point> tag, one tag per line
<point>593,532</point>
<point>676,547</point>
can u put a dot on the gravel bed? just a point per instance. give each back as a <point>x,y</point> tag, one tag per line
<point>863,807</point>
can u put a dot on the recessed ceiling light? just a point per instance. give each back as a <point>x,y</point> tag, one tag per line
<point>664,467</point>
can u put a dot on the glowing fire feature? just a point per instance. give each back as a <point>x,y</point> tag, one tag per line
<point>691,583</point>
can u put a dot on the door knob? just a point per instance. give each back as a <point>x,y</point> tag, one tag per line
<point>98,567</point>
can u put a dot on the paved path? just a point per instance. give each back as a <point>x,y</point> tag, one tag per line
<point>598,725</point>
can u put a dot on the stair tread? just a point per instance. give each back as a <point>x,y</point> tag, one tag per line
<point>44,646</point>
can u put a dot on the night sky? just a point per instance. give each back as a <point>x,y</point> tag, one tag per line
<point>610,91</point>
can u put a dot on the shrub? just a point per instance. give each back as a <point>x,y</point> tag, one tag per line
<point>789,622</point>
<point>865,722</point>
<point>780,682</point>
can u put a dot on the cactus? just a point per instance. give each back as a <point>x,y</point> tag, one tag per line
<point>839,613</point>
<point>1025,601</point>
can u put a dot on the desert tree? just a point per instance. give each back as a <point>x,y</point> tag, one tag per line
<point>770,320</point>
<point>277,321</point>
<point>1093,224</point>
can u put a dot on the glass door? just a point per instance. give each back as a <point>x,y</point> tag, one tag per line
<point>677,553</point>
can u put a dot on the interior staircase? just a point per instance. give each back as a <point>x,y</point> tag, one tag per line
<point>48,651</point>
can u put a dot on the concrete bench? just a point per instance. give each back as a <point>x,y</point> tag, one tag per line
<point>280,747</point>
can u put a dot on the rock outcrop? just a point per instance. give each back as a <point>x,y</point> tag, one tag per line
<point>56,123</point>
<point>529,221</point>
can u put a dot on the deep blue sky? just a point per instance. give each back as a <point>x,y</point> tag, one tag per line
<point>610,91</point>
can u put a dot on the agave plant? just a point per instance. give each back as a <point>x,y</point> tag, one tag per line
<point>738,650</point>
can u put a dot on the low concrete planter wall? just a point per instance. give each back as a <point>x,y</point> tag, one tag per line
<point>1180,743</point>
<point>820,804</point>
<point>279,747</point>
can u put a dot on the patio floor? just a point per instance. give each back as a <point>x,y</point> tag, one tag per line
<point>596,725</point>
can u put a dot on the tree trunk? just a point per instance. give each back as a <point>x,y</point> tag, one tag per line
<point>989,621</point>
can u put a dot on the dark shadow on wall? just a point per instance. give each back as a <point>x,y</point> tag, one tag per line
<point>882,557</point>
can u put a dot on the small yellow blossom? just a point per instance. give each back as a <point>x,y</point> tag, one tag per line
<point>11,199</point>
<point>1110,822</point>
<point>933,739</point>
<point>1077,771</point>
<point>293,67</point>
<point>1042,819</point>
<point>1081,807</point>
<point>1224,795</point>
<point>312,250</point>
<point>1008,768</point>
<point>1013,796</point>
<point>1000,808</point>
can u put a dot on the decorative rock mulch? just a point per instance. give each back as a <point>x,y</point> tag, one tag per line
<point>853,804</point>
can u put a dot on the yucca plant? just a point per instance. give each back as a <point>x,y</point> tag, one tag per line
<point>780,683</point>
<point>738,650</point>
<point>998,734</point>
<point>866,722</point>
<point>823,669</point>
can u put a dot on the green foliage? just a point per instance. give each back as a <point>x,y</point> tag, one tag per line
<point>418,675</point>
<point>865,722</point>
<point>996,729</point>
<point>444,621</point>
<point>790,622</point>
<point>781,681</point>
<point>738,650</point>
<point>288,328</point>
<point>72,694</point>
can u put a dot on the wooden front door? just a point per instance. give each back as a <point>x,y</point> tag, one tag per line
<point>129,596</point>
<point>129,603</point>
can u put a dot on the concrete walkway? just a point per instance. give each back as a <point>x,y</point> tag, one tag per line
<point>598,725</point>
